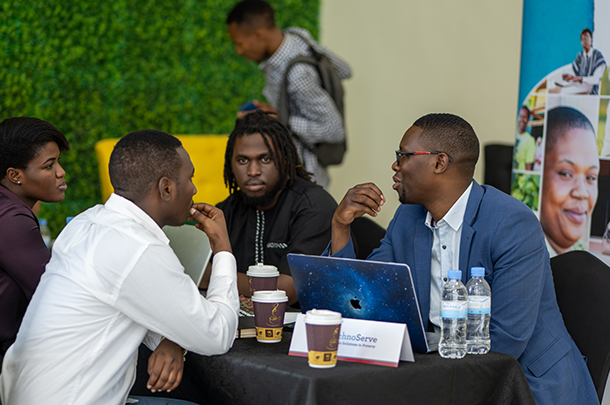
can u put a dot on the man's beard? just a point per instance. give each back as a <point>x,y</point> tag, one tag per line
<point>263,200</point>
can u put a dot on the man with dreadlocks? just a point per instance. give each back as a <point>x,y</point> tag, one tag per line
<point>274,209</point>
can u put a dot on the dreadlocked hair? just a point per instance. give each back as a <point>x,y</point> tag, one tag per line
<point>284,152</point>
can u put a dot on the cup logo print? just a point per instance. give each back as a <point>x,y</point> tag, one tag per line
<point>274,319</point>
<point>332,344</point>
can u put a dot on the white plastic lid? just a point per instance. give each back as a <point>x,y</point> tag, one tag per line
<point>323,317</point>
<point>270,296</point>
<point>262,270</point>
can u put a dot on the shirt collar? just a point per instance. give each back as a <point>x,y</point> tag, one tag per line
<point>280,54</point>
<point>590,53</point>
<point>13,197</point>
<point>455,216</point>
<point>126,207</point>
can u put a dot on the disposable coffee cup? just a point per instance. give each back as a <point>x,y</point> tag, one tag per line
<point>262,277</point>
<point>323,329</point>
<point>269,308</point>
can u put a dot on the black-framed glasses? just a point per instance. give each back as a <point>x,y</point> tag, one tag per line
<point>400,154</point>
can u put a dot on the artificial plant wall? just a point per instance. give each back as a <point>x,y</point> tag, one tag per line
<point>103,69</point>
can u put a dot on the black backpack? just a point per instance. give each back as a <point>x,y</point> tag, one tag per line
<point>327,153</point>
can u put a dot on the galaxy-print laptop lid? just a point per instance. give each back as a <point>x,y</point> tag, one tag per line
<point>362,289</point>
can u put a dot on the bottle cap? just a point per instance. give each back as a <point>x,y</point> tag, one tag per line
<point>477,271</point>
<point>68,219</point>
<point>42,222</point>
<point>454,274</point>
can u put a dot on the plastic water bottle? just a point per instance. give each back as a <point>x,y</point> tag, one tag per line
<point>454,310</point>
<point>45,232</point>
<point>479,312</point>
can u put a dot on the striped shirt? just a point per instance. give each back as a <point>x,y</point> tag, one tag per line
<point>313,114</point>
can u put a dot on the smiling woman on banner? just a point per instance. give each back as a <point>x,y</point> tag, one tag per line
<point>29,172</point>
<point>569,189</point>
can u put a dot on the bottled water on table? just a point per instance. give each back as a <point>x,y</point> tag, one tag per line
<point>45,232</point>
<point>454,310</point>
<point>479,312</point>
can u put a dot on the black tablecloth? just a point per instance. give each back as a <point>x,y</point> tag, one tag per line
<point>258,373</point>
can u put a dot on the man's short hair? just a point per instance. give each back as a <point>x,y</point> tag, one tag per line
<point>453,135</point>
<point>285,156</point>
<point>140,159</point>
<point>252,14</point>
<point>22,138</point>
<point>561,119</point>
<point>585,31</point>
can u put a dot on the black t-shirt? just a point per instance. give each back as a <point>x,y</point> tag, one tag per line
<point>300,222</point>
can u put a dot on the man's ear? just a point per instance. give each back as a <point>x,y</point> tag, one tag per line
<point>166,189</point>
<point>441,164</point>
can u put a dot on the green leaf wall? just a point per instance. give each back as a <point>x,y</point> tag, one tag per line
<point>103,69</point>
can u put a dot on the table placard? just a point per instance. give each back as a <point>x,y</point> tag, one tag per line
<point>362,341</point>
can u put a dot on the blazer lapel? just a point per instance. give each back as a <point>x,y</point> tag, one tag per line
<point>472,209</point>
<point>422,252</point>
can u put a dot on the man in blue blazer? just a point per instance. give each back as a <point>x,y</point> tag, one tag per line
<point>447,221</point>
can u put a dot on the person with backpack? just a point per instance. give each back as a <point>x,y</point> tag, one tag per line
<point>306,93</point>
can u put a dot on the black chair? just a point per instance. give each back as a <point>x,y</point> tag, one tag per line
<point>498,166</point>
<point>366,236</point>
<point>581,284</point>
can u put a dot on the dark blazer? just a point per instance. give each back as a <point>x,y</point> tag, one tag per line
<point>502,235</point>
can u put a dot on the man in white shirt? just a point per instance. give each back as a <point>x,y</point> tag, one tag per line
<point>113,281</point>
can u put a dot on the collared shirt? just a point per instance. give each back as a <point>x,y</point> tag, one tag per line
<point>300,222</point>
<point>446,237</point>
<point>313,114</point>
<point>23,256</point>
<point>113,280</point>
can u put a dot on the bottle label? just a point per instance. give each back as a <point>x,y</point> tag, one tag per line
<point>479,305</point>
<point>454,309</point>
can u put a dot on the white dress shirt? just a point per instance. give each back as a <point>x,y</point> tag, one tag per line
<point>112,282</point>
<point>446,237</point>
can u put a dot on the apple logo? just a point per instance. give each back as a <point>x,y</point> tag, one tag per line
<point>355,303</point>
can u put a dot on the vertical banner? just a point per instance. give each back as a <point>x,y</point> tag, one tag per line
<point>561,160</point>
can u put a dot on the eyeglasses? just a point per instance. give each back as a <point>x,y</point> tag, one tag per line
<point>399,154</point>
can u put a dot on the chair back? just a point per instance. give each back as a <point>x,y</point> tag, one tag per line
<point>192,247</point>
<point>207,153</point>
<point>498,166</point>
<point>366,236</point>
<point>581,285</point>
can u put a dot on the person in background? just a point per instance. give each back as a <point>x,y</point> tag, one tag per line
<point>447,221</point>
<point>29,172</point>
<point>314,118</point>
<point>274,209</point>
<point>589,65</point>
<point>569,184</point>
<point>113,281</point>
<point>525,146</point>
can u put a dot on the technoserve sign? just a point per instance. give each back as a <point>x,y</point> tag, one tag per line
<point>361,341</point>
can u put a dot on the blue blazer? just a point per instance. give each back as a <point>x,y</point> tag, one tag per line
<point>502,235</point>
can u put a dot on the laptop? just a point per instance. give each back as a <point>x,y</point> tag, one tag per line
<point>192,247</point>
<point>361,289</point>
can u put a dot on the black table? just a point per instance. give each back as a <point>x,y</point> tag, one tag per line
<point>258,373</point>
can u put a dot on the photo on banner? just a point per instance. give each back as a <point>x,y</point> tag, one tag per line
<point>561,161</point>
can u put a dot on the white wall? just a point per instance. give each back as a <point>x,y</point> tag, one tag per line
<point>410,58</point>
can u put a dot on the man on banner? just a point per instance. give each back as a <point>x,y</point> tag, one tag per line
<point>589,65</point>
<point>448,221</point>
